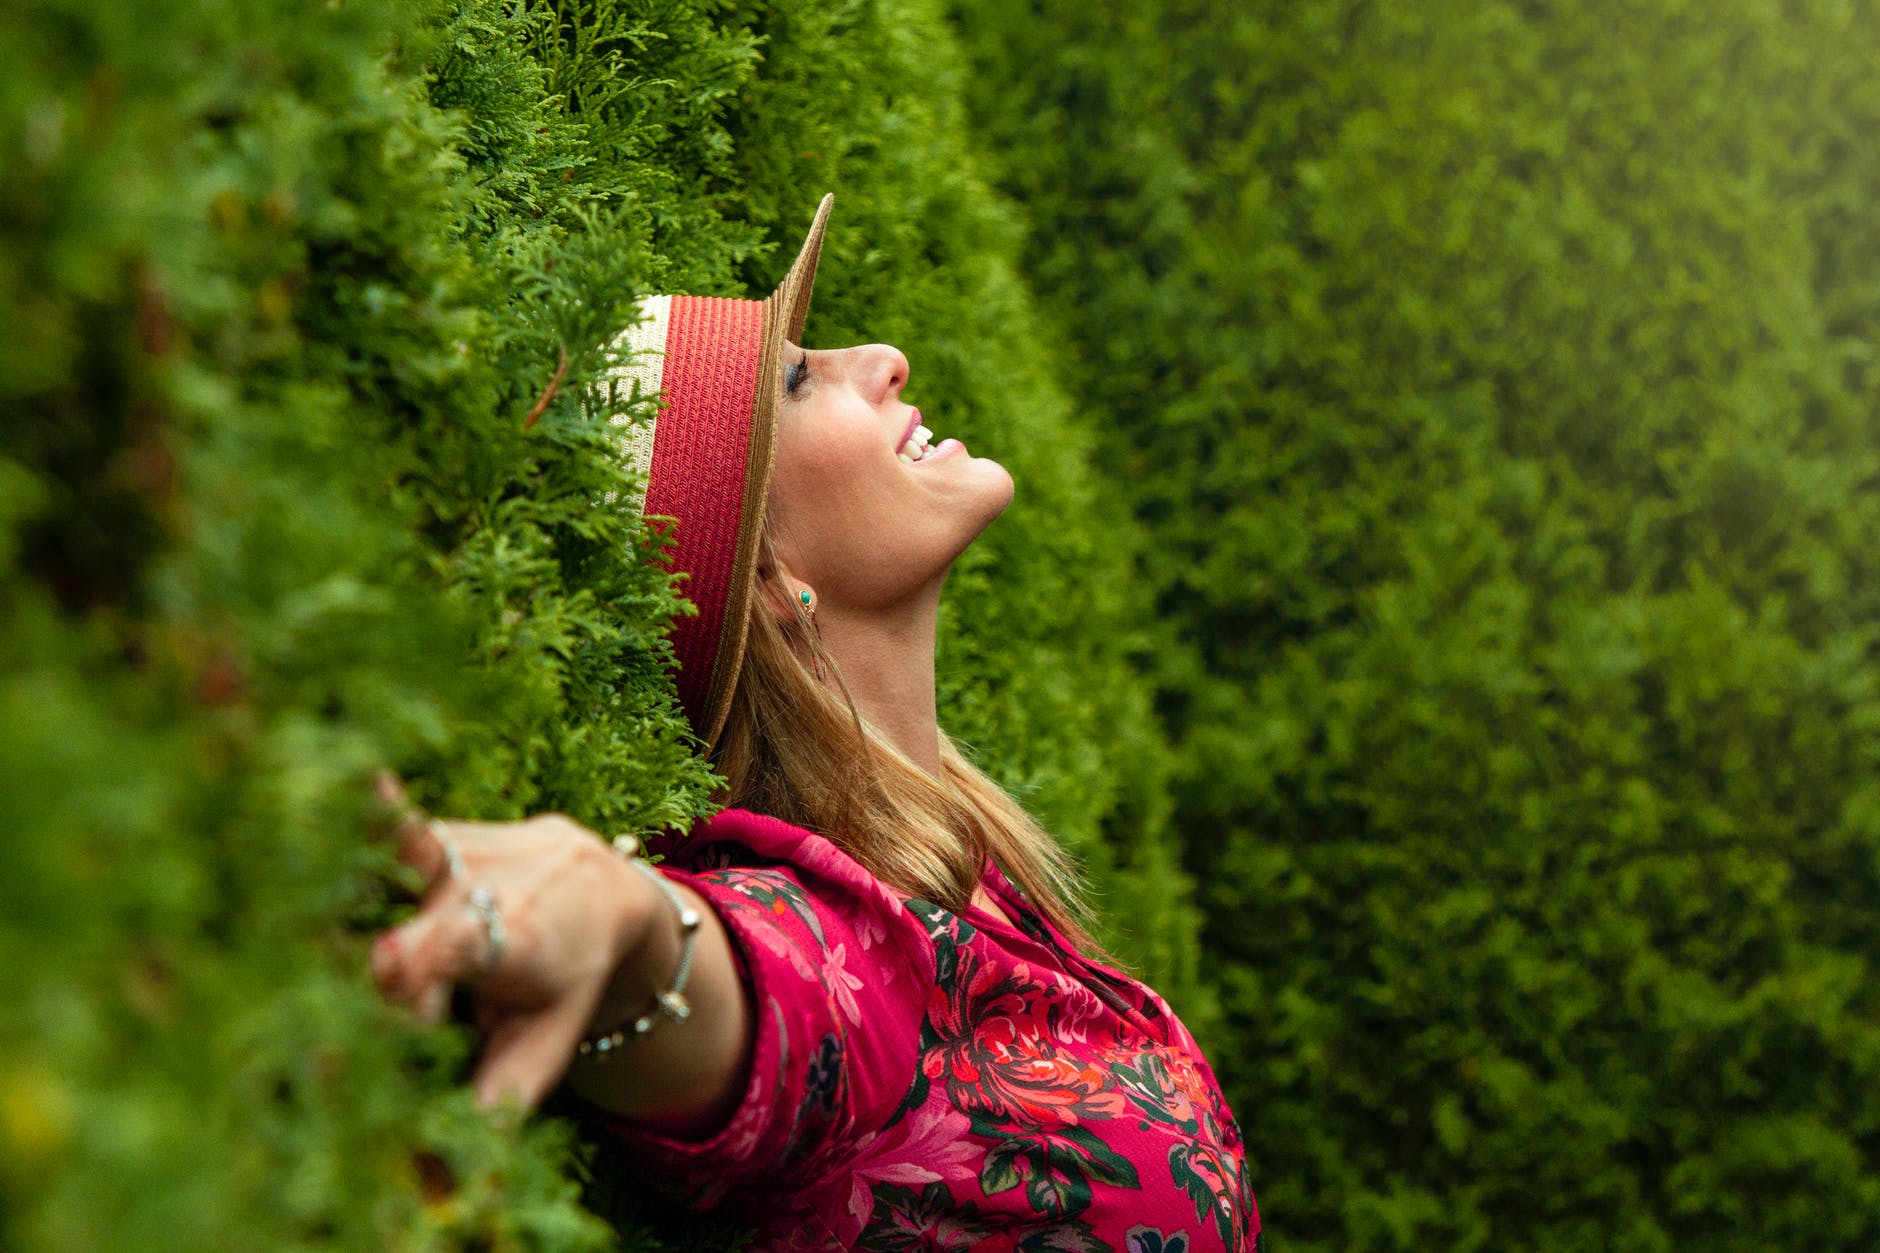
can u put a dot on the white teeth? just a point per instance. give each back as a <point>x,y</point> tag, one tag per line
<point>916,446</point>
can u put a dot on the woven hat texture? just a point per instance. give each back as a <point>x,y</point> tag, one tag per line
<point>704,460</point>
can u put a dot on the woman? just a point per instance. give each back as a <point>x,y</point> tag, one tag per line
<point>858,1005</point>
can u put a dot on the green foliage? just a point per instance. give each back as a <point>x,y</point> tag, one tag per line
<point>1498,382</point>
<point>277,521</point>
<point>280,289</point>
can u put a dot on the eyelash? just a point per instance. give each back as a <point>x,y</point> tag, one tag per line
<point>795,375</point>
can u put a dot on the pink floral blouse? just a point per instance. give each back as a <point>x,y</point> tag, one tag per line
<point>924,1080</point>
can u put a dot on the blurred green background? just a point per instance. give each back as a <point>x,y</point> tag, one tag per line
<point>1439,604</point>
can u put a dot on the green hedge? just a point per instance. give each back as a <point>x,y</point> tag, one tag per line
<point>1498,383</point>
<point>281,287</point>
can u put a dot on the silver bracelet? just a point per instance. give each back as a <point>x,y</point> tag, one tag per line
<point>670,1003</point>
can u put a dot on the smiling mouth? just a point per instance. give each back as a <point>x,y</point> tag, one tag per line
<point>918,444</point>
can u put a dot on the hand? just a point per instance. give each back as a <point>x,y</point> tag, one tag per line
<point>564,905</point>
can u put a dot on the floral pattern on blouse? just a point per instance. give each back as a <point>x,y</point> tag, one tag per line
<point>924,1080</point>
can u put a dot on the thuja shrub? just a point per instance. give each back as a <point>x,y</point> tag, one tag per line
<point>1498,383</point>
<point>276,516</point>
<point>298,480</point>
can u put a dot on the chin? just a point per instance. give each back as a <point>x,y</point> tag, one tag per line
<point>997,490</point>
<point>991,494</point>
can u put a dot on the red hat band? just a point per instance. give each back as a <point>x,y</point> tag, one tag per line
<point>706,461</point>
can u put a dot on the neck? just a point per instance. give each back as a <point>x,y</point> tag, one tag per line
<point>887,660</point>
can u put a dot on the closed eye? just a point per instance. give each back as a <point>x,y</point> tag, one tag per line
<point>795,376</point>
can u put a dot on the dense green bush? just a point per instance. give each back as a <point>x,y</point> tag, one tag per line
<point>276,518</point>
<point>1498,381</point>
<point>281,290</point>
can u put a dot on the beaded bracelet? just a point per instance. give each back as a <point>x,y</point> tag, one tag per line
<point>670,1003</point>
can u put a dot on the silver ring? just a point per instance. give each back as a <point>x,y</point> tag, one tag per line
<point>483,901</point>
<point>453,856</point>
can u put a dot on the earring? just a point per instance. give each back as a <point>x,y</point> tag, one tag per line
<point>807,600</point>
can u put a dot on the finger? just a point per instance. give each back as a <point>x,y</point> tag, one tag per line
<point>426,845</point>
<point>388,789</point>
<point>527,1054</point>
<point>398,814</point>
<point>446,943</point>
<point>429,1000</point>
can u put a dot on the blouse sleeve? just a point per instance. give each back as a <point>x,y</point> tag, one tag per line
<point>839,973</point>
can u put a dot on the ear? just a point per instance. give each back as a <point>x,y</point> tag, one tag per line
<point>785,596</point>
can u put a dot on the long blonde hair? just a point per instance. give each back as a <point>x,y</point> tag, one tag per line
<point>795,747</point>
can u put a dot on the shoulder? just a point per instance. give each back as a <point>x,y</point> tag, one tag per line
<point>739,839</point>
<point>739,836</point>
<point>749,862</point>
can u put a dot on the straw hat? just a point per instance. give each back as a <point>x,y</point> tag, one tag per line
<point>705,458</point>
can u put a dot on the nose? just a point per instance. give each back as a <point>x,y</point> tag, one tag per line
<point>881,371</point>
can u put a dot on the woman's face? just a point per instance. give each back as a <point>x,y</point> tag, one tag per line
<point>865,509</point>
